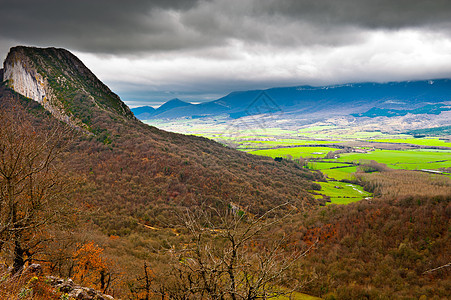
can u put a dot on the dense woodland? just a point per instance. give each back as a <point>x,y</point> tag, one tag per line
<point>121,224</point>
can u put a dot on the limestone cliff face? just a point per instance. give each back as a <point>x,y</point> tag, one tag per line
<point>63,85</point>
<point>26,82</point>
<point>21,74</point>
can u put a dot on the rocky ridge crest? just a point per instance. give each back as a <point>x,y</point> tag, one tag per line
<point>62,84</point>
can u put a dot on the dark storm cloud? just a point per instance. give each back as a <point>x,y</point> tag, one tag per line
<point>108,26</point>
<point>199,49</point>
<point>365,13</point>
<point>117,26</point>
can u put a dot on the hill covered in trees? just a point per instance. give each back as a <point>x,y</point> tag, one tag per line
<point>125,175</point>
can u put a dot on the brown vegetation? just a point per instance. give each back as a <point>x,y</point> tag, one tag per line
<point>387,183</point>
<point>130,174</point>
<point>31,188</point>
<point>229,256</point>
<point>381,250</point>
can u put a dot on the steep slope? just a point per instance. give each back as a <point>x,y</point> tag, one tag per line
<point>388,249</point>
<point>130,168</point>
<point>327,100</point>
<point>63,85</point>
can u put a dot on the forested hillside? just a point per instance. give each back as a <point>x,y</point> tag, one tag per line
<point>135,176</point>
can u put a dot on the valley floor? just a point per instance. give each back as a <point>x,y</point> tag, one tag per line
<point>340,152</point>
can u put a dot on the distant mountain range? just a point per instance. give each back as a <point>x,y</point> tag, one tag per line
<point>148,112</point>
<point>359,99</point>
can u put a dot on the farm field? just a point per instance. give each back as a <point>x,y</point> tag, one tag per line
<point>295,152</point>
<point>324,165</point>
<point>434,142</point>
<point>344,167</point>
<point>342,192</point>
<point>221,131</point>
<point>396,159</point>
<point>340,173</point>
<point>402,159</point>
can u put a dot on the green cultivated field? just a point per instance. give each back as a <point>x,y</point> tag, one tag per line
<point>396,159</point>
<point>343,193</point>
<point>341,173</point>
<point>336,169</point>
<point>295,152</point>
<point>403,159</point>
<point>435,142</point>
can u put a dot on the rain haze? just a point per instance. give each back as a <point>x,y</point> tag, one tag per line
<point>149,52</point>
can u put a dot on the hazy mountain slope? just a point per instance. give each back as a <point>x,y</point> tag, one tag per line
<point>327,100</point>
<point>143,112</point>
<point>171,104</point>
<point>146,112</point>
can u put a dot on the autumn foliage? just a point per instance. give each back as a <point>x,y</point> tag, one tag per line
<point>90,267</point>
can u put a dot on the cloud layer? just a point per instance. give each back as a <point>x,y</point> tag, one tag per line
<point>206,48</point>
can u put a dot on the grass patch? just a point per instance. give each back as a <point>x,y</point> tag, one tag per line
<point>343,193</point>
<point>400,159</point>
<point>433,142</point>
<point>341,173</point>
<point>296,152</point>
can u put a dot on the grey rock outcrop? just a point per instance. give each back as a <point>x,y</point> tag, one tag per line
<point>21,74</point>
<point>75,291</point>
<point>25,81</point>
<point>64,86</point>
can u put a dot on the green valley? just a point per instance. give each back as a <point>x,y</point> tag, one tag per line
<point>339,152</point>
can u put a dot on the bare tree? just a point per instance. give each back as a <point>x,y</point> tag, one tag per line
<point>30,185</point>
<point>229,257</point>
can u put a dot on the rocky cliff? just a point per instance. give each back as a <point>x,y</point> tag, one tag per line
<point>62,84</point>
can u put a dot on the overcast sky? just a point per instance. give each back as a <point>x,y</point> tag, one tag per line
<point>152,51</point>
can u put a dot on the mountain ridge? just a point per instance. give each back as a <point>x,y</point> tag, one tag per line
<point>144,112</point>
<point>170,168</point>
<point>61,83</point>
<point>352,98</point>
<point>173,103</point>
